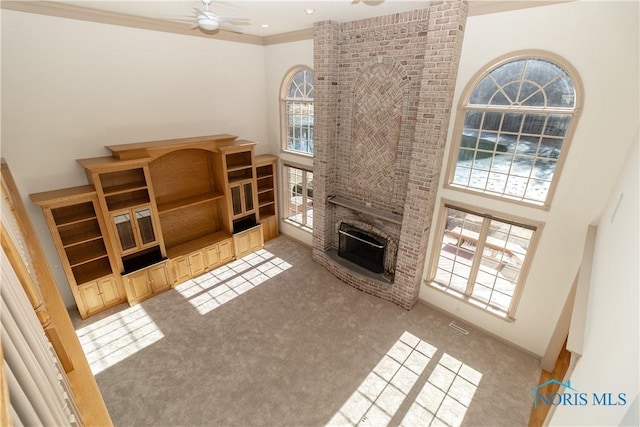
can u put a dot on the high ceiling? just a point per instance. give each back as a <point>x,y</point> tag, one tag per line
<point>280,16</point>
<point>268,19</point>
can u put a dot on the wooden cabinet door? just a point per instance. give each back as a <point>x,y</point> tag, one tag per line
<point>91,298</point>
<point>139,286</point>
<point>212,256</point>
<point>197,263</point>
<point>248,241</point>
<point>181,268</point>
<point>225,251</point>
<point>255,239</point>
<point>159,277</point>
<point>242,244</point>
<point>109,290</point>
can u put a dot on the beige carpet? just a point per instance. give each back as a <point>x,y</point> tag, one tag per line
<point>275,340</point>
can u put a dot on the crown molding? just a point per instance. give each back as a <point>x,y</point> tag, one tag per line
<point>62,10</point>
<point>292,36</point>
<point>485,7</point>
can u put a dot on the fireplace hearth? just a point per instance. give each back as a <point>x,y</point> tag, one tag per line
<point>361,247</point>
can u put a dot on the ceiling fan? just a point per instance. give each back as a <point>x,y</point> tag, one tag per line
<point>208,20</point>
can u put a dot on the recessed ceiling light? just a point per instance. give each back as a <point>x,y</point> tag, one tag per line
<point>265,25</point>
<point>309,11</point>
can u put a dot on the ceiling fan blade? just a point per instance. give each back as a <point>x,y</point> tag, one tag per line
<point>230,28</point>
<point>228,19</point>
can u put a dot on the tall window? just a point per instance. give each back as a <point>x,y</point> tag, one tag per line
<point>482,259</point>
<point>299,203</point>
<point>512,138</point>
<point>297,111</point>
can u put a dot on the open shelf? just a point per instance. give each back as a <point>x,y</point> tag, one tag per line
<point>265,198</point>
<point>127,200</point>
<point>83,240</point>
<point>78,232</point>
<point>93,270</point>
<point>73,213</point>
<point>238,160</point>
<point>125,188</point>
<point>123,181</point>
<point>265,184</point>
<point>264,171</point>
<point>238,175</point>
<point>89,251</point>
<point>188,201</point>
<point>267,211</point>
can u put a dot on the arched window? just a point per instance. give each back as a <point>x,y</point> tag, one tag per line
<point>297,111</point>
<point>513,130</point>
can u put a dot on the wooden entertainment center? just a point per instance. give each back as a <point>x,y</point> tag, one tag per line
<point>158,213</point>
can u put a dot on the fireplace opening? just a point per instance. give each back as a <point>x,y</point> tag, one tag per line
<point>361,247</point>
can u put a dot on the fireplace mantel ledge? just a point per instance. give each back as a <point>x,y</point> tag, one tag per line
<point>345,203</point>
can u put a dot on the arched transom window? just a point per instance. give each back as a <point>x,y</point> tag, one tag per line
<point>515,123</point>
<point>297,111</point>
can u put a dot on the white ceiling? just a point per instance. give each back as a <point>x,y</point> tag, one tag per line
<point>281,16</point>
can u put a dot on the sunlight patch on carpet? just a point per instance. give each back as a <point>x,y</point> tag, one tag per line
<point>446,396</point>
<point>383,391</point>
<point>114,338</point>
<point>219,286</point>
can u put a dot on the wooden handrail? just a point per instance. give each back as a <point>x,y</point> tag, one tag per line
<point>35,299</point>
<point>93,411</point>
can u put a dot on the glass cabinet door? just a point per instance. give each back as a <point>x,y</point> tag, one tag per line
<point>145,226</point>
<point>124,227</point>
<point>236,200</point>
<point>242,198</point>
<point>248,196</point>
<point>134,228</point>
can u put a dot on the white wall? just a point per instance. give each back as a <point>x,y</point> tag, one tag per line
<point>600,39</point>
<point>71,87</point>
<point>279,59</point>
<point>610,358</point>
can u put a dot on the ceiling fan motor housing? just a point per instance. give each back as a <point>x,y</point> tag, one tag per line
<point>208,24</point>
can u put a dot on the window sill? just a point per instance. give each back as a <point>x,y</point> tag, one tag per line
<point>297,153</point>
<point>481,193</point>
<point>298,226</point>
<point>485,308</point>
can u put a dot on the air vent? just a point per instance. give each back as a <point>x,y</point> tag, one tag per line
<point>458,328</point>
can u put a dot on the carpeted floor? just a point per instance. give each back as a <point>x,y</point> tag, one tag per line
<point>275,340</point>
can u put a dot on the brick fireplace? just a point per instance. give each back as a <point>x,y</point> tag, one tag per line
<point>383,93</point>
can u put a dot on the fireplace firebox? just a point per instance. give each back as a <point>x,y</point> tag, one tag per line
<point>361,247</point>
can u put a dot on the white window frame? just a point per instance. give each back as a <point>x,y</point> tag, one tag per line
<point>466,296</point>
<point>464,106</point>
<point>286,196</point>
<point>284,117</point>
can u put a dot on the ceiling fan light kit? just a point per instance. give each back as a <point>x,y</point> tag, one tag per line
<point>208,20</point>
<point>208,24</point>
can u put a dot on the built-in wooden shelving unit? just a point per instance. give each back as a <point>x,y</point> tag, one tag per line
<point>156,213</point>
